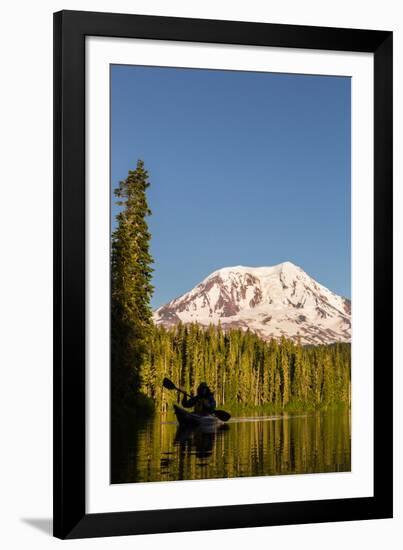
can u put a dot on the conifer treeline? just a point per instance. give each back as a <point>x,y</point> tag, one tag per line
<point>245,371</point>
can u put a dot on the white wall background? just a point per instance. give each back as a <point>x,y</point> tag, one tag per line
<point>26,271</point>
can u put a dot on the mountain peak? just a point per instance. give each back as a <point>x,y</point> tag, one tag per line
<point>273,301</point>
<point>282,267</point>
<point>289,266</point>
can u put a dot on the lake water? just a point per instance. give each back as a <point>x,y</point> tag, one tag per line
<point>246,446</point>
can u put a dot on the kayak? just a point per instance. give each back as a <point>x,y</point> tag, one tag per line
<point>193,420</point>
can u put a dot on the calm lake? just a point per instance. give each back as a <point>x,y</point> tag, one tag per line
<point>246,446</point>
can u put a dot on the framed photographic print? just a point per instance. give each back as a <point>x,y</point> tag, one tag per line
<point>223,274</point>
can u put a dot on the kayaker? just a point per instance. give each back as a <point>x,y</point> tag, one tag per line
<point>203,402</point>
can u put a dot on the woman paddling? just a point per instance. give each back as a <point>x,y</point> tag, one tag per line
<point>203,402</point>
<point>224,416</point>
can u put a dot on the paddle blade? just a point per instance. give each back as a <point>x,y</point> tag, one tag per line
<point>168,384</point>
<point>222,415</point>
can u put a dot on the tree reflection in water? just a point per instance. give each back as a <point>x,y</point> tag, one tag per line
<point>260,446</point>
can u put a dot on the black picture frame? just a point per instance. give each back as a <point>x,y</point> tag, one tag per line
<point>70,517</point>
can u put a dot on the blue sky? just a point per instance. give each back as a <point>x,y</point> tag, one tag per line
<point>245,168</point>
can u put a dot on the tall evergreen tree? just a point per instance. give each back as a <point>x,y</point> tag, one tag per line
<point>131,289</point>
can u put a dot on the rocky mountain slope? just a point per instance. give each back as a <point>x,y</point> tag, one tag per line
<point>270,301</point>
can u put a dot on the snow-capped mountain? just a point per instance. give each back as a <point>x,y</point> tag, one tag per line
<point>270,301</point>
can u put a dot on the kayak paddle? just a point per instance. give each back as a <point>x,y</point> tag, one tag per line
<point>222,415</point>
<point>169,385</point>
